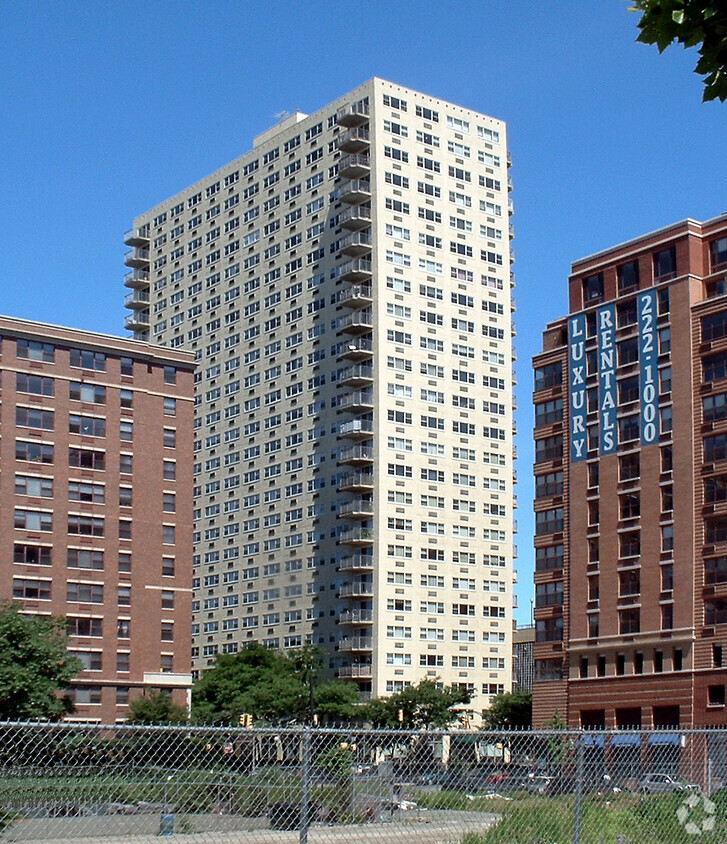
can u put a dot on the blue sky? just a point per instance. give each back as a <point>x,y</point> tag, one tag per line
<point>107,108</point>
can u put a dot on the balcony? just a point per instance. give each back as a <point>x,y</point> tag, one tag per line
<point>355,244</point>
<point>356,536</point>
<point>137,299</point>
<point>353,114</point>
<point>357,562</point>
<point>357,402</point>
<point>358,322</point>
<point>356,643</point>
<point>354,617</point>
<point>354,166</point>
<point>357,296</point>
<point>354,140</point>
<point>356,481</point>
<point>356,218</point>
<point>355,672</point>
<point>357,455</point>
<point>138,321</point>
<point>360,349</point>
<point>357,269</point>
<point>137,237</point>
<point>137,278</point>
<point>137,258</point>
<point>357,429</point>
<point>355,191</point>
<point>361,589</point>
<point>356,376</point>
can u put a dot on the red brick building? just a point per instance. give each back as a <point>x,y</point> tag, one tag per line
<point>631,487</point>
<point>96,522</point>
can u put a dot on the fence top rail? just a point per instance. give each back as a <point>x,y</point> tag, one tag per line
<point>343,730</point>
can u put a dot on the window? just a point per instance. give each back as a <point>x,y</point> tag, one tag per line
<point>86,459</point>
<point>34,384</point>
<point>548,558</point>
<point>90,393</point>
<point>714,326</point>
<point>629,466</point>
<point>549,594</point>
<point>548,448</point>
<point>32,555</point>
<point>592,289</point>
<point>628,276</point>
<point>170,407</point>
<point>549,375</point>
<point>629,621</point>
<point>718,251</point>
<point>85,525</point>
<point>87,359</point>
<point>84,559</point>
<point>34,520</point>
<point>31,417</point>
<point>33,487</point>
<point>629,582</point>
<point>169,470</point>
<point>665,263</point>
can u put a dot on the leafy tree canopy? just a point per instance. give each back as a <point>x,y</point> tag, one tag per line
<point>35,666</point>
<point>512,711</point>
<point>691,23</point>
<point>269,685</point>
<point>155,707</point>
<point>423,705</point>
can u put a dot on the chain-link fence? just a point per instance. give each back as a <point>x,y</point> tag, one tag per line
<point>316,785</point>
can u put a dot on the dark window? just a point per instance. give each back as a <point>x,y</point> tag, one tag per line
<point>548,521</point>
<point>678,659</point>
<point>628,351</point>
<point>628,276</point>
<point>714,367</point>
<point>628,389</point>
<point>629,466</point>
<point>170,375</point>
<point>548,448</point>
<point>658,661</point>
<point>629,428</point>
<point>127,366</point>
<point>550,557</point>
<point>638,663</point>
<point>31,417</point>
<point>715,530</point>
<point>34,350</point>
<point>32,555</point>
<point>716,288</point>
<point>87,359</point>
<point>35,384</point>
<point>665,263</point>
<point>630,544</point>
<point>626,313</point>
<point>629,621</point>
<point>629,582</point>
<point>550,484</point>
<point>715,570</point>
<point>714,326</point>
<point>593,289</point>
<point>716,696</point>
<point>549,594</point>
<point>83,459</point>
<point>667,577</point>
<point>715,612</point>
<point>549,630</point>
<point>717,656</point>
<point>33,452</point>
<point>550,375</point>
<point>629,505</point>
<point>718,251</point>
<point>548,412</point>
<point>715,489</point>
<point>714,407</point>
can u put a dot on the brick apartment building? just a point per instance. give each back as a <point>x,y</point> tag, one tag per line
<point>631,487</point>
<point>96,523</point>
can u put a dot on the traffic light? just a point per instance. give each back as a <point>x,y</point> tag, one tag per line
<point>400,716</point>
<point>246,720</point>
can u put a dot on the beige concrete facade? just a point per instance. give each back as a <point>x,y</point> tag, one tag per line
<point>346,289</point>
<point>96,522</point>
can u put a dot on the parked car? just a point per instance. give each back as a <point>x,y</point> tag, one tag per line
<point>655,783</point>
<point>538,784</point>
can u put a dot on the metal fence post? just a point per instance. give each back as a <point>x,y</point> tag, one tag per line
<point>305,787</point>
<point>580,743</point>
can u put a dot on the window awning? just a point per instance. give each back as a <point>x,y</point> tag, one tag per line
<point>672,739</point>
<point>627,740</point>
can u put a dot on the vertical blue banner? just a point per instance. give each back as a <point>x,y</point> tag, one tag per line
<point>606,327</point>
<point>577,386</point>
<point>648,393</point>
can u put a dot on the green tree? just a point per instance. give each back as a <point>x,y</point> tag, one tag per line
<point>34,666</point>
<point>256,680</point>
<point>336,701</point>
<point>691,23</point>
<point>423,705</point>
<point>155,707</point>
<point>513,711</point>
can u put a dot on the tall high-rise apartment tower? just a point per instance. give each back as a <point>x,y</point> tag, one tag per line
<point>631,487</point>
<point>346,288</point>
